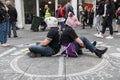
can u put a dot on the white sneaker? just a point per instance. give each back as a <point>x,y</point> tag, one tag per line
<point>100,36</point>
<point>96,34</point>
<point>118,34</point>
<point>109,37</point>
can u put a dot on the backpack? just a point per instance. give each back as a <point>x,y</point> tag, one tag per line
<point>68,49</point>
<point>62,11</point>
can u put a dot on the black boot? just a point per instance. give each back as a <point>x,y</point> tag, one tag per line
<point>100,52</point>
<point>80,52</point>
<point>94,43</point>
<point>33,55</point>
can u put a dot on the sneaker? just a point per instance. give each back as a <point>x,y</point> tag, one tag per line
<point>109,37</point>
<point>115,31</point>
<point>118,34</point>
<point>15,36</point>
<point>96,34</point>
<point>100,36</point>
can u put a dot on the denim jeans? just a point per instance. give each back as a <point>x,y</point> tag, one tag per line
<point>62,24</point>
<point>4,32</point>
<point>87,43</point>
<point>43,50</point>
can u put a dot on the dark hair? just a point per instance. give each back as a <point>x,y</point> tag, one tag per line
<point>1,2</point>
<point>69,0</point>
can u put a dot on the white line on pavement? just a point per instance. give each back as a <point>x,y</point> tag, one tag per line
<point>8,52</point>
<point>61,66</point>
<point>118,49</point>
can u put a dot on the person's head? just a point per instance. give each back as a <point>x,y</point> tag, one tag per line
<point>46,6</point>
<point>107,1</point>
<point>1,2</point>
<point>51,22</point>
<point>7,2</point>
<point>98,0</point>
<point>59,5</point>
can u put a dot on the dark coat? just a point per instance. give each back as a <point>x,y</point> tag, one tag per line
<point>3,13</point>
<point>12,13</point>
<point>100,9</point>
<point>110,9</point>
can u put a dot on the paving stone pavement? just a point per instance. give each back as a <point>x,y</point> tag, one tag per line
<point>16,65</point>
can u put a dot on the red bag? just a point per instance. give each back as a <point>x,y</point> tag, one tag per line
<point>62,11</point>
<point>118,12</point>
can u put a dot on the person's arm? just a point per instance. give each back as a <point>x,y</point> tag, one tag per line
<point>45,42</point>
<point>79,41</point>
<point>6,8</point>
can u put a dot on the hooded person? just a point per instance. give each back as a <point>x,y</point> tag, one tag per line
<point>72,20</point>
<point>49,46</point>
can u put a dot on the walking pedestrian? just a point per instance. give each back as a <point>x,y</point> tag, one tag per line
<point>13,19</point>
<point>60,15</point>
<point>118,19</point>
<point>109,11</point>
<point>4,24</point>
<point>68,8</point>
<point>98,17</point>
<point>46,14</point>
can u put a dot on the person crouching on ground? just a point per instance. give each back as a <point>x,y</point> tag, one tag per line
<point>50,46</point>
<point>70,36</point>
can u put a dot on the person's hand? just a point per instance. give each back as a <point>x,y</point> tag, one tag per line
<point>80,42</point>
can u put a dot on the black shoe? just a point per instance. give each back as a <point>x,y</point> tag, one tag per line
<point>115,31</point>
<point>9,36</point>
<point>80,52</point>
<point>33,55</point>
<point>94,43</point>
<point>99,53</point>
<point>15,36</point>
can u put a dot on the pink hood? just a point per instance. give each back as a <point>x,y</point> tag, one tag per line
<point>72,20</point>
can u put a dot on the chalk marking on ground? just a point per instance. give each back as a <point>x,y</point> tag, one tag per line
<point>118,49</point>
<point>115,55</point>
<point>20,52</point>
<point>61,66</point>
<point>8,52</point>
<point>98,67</point>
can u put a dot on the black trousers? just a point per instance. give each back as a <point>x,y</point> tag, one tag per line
<point>107,22</point>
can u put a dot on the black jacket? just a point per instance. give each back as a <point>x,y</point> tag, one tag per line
<point>3,14</point>
<point>100,9</point>
<point>12,13</point>
<point>110,9</point>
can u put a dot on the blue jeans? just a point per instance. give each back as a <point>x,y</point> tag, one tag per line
<point>4,32</point>
<point>43,50</point>
<point>62,25</point>
<point>87,43</point>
